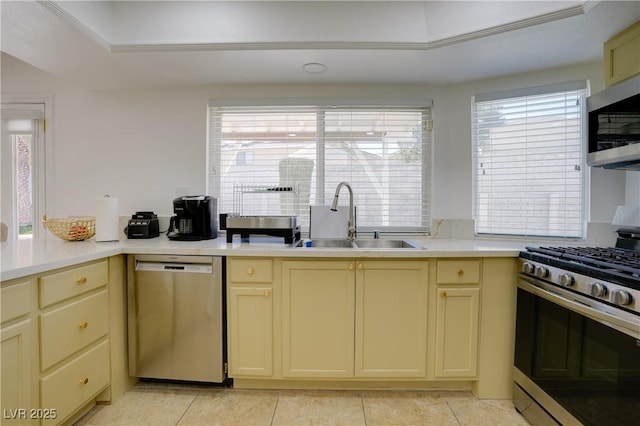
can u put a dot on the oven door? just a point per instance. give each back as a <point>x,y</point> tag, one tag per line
<point>581,365</point>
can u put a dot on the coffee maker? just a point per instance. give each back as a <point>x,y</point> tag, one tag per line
<point>196,218</point>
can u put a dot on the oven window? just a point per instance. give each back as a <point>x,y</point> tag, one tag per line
<point>592,370</point>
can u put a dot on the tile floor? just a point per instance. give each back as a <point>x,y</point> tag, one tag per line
<point>168,404</point>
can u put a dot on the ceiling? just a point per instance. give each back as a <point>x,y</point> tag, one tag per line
<point>151,44</point>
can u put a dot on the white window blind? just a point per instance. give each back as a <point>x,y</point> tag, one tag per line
<point>529,166</point>
<point>280,160</point>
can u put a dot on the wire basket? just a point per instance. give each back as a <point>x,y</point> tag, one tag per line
<point>72,228</point>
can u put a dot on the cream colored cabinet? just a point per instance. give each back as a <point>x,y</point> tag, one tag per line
<point>73,326</point>
<point>318,311</point>
<point>59,286</point>
<point>348,318</point>
<point>74,348</point>
<point>76,382</point>
<point>622,55</point>
<point>391,318</point>
<point>55,346</point>
<point>15,352</point>
<point>250,317</point>
<point>457,318</point>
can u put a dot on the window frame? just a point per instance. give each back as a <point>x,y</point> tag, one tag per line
<point>322,106</point>
<point>567,87</point>
<point>38,110</point>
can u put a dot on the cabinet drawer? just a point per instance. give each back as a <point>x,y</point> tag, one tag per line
<point>71,327</point>
<point>73,282</point>
<point>15,300</point>
<point>458,271</point>
<point>75,383</point>
<point>250,270</point>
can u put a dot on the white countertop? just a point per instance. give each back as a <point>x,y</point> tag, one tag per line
<point>26,257</point>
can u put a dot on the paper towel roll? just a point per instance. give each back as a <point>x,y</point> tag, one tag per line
<point>107,219</point>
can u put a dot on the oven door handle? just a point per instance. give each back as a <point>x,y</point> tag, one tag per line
<point>629,326</point>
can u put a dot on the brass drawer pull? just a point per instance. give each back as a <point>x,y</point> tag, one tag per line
<point>443,294</point>
<point>460,272</point>
<point>83,324</point>
<point>249,271</point>
<point>81,280</point>
<point>350,267</point>
<point>84,381</point>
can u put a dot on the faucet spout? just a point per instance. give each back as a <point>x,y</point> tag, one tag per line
<point>351,233</point>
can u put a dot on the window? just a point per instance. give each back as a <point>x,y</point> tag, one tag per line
<point>22,141</point>
<point>528,158</point>
<point>303,153</point>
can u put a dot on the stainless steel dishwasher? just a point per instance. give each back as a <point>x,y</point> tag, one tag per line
<point>175,318</point>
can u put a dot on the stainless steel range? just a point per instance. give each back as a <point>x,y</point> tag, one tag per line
<point>577,355</point>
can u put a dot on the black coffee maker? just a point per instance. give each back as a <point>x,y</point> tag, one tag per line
<point>196,218</point>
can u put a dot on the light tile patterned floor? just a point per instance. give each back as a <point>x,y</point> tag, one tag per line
<point>167,404</point>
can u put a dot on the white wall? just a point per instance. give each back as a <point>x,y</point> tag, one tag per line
<point>146,147</point>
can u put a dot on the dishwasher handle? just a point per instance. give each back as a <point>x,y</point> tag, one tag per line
<point>192,268</point>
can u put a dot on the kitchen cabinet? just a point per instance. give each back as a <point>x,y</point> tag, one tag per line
<point>16,351</point>
<point>391,318</point>
<point>622,55</point>
<point>496,338</point>
<point>73,330</point>
<point>457,319</point>
<point>318,318</point>
<point>73,326</point>
<point>372,322</point>
<point>76,382</point>
<point>348,318</point>
<point>57,351</point>
<point>250,317</point>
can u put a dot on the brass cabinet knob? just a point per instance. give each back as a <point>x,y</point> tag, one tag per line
<point>83,324</point>
<point>267,293</point>
<point>460,272</point>
<point>81,280</point>
<point>350,267</point>
<point>360,266</point>
<point>249,271</point>
<point>84,381</point>
<point>443,294</point>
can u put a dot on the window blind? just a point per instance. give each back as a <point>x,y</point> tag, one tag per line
<point>280,160</point>
<point>529,166</point>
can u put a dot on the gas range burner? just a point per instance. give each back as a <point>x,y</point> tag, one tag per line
<point>615,265</point>
<point>622,260</point>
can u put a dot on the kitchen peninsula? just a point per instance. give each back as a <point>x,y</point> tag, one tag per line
<point>378,318</point>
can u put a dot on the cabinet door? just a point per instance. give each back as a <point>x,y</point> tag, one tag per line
<point>250,322</point>
<point>622,55</point>
<point>457,332</point>
<point>15,353</point>
<point>318,318</point>
<point>391,319</point>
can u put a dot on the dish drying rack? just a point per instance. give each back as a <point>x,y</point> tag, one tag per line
<point>240,190</point>
<point>287,227</point>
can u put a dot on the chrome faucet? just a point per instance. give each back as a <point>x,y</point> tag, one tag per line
<point>351,235</point>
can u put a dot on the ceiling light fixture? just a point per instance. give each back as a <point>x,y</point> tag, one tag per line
<point>314,68</point>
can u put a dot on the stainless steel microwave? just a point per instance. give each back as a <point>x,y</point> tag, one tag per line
<point>614,126</point>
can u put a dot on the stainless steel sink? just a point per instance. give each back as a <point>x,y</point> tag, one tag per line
<point>387,244</point>
<point>326,243</point>
<point>359,244</point>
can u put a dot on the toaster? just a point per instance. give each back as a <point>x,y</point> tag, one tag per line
<point>143,225</point>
